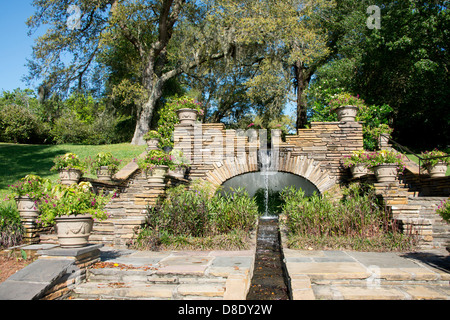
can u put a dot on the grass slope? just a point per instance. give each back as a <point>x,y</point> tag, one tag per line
<point>18,160</point>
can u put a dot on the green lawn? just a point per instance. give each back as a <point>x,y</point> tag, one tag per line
<point>18,160</point>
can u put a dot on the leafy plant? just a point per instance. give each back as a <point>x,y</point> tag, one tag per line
<point>168,117</point>
<point>444,210</point>
<point>434,157</point>
<point>200,217</point>
<point>152,134</point>
<point>356,221</point>
<point>377,158</point>
<point>74,200</point>
<point>357,157</point>
<point>156,158</point>
<point>11,230</point>
<point>104,159</point>
<point>179,159</point>
<point>31,186</point>
<point>345,99</point>
<point>68,161</point>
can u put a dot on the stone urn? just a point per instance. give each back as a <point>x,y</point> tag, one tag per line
<point>70,176</point>
<point>157,174</point>
<point>346,113</point>
<point>104,173</point>
<point>179,172</point>
<point>152,144</point>
<point>27,207</point>
<point>386,172</point>
<point>359,170</point>
<point>438,170</point>
<point>187,116</point>
<point>74,231</point>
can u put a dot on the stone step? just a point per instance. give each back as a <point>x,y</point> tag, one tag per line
<point>148,291</point>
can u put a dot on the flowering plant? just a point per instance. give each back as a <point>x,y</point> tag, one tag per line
<point>30,186</point>
<point>103,159</point>
<point>357,157</point>
<point>152,134</point>
<point>188,103</point>
<point>428,156</point>
<point>386,157</point>
<point>68,161</point>
<point>444,210</point>
<point>179,159</point>
<point>77,199</point>
<point>345,99</point>
<point>156,158</point>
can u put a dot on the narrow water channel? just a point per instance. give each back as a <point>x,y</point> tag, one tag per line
<point>268,282</point>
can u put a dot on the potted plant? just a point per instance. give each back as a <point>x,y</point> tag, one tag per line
<point>70,168</point>
<point>435,162</point>
<point>104,166</point>
<point>386,165</point>
<point>27,192</point>
<point>152,138</point>
<point>357,163</point>
<point>181,164</point>
<point>346,106</point>
<point>383,134</point>
<point>155,165</point>
<point>73,209</point>
<point>188,109</point>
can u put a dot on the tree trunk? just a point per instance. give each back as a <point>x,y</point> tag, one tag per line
<point>302,77</point>
<point>146,114</point>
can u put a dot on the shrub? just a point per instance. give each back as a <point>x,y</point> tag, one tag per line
<point>19,125</point>
<point>444,210</point>
<point>11,230</point>
<point>186,215</point>
<point>357,221</point>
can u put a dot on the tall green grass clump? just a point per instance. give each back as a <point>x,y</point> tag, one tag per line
<point>199,218</point>
<point>357,222</point>
<point>11,231</point>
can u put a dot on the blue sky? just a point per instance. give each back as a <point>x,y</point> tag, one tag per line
<point>15,44</point>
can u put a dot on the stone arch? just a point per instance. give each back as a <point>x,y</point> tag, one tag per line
<point>300,165</point>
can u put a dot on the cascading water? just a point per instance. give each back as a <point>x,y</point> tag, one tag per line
<point>267,164</point>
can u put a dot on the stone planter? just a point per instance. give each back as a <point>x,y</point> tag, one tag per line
<point>386,172</point>
<point>74,231</point>
<point>157,175</point>
<point>152,144</point>
<point>28,212</point>
<point>178,172</point>
<point>27,208</point>
<point>187,116</point>
<point>104,173</point>
<point>347,113</point>
<point>70,176</point>
<point>438,170</point>
<point>383,140</point>
<point>359,170</point>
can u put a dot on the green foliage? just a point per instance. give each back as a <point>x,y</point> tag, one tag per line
<point>168,117</point>
<point>188,214</point>
<point>68,161</point>
<point>103,159</point>
<point>156,158</point>
<point>74,200</point>
<point>345,99</point>
<point>358,218</point>
<point>444,210</point>
<point>31,186</point>
<point>20,125</point>
<point>11,230</point>
<point>431,158</point>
